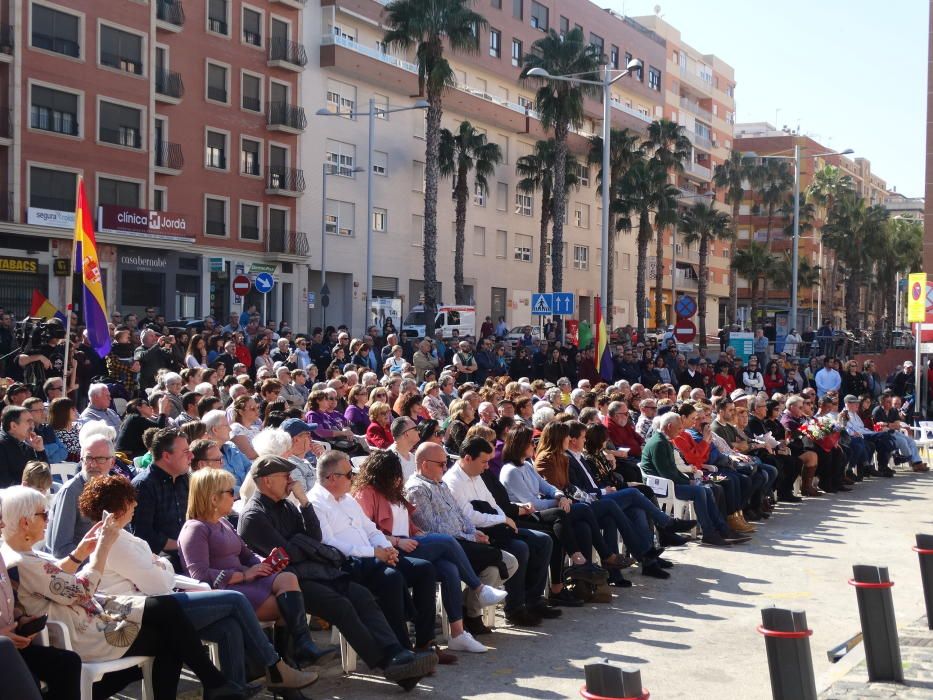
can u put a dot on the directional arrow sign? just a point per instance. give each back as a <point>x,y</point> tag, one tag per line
<point>541,304</point>
<point>264,282</point>
<point>563,303</point>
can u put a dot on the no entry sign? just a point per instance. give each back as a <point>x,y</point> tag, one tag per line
<point>241,285</point>
<point>685,330</point>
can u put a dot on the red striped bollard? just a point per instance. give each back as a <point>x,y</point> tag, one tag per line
<point>924,550</point>
<point>787,642</point>
<point>605,681</point>
<point>879,628</point>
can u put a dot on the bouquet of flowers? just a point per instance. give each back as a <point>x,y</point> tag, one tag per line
<point>823,431</point>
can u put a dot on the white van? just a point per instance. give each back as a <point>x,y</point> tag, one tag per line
<point>449,318</point>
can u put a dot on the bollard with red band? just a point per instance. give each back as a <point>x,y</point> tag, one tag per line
<point>606,681</point>
<point>879,628</point>
<point>787,643</point>
<point>924,550</point>
<point>584,693</point>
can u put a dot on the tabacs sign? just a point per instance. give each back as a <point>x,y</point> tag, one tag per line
<point>19,265</point>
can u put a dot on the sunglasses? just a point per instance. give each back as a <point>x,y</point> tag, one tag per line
<point>348,474</point>
<point>43,514</point>
<point>438,433</point>
<point>231,492</point>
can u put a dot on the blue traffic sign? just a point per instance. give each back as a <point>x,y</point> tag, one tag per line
<point>541,304</point>
<point>264,282</point>
<point>685,307</point>
<point>563,304</point>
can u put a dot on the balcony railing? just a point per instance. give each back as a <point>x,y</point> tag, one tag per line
<point>252,38</point>
<point>284,114</point>
<point>253,104</point>
<point>701,141</point>
<point>127,65</point>
<point>622,107</point>
<point>697,169</point>
<point>287,242</point>
<point>695,108</point>
<point>169,155</point>
<point>281,178</point>
<point>6,38</point>
<point>288,51</point>
<point>130,138</point>
<point>169,84</point>
<point>47,119</point>
<point>219,26</point>
<point>56,44</point>
<point>171,11</point>
<point>219,94</point>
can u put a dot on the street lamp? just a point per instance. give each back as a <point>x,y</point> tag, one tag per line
<point>792,321</point>
<point>371,115</point>
<point>327,168</point>
<point>606,82</point>
<point>680,198</point>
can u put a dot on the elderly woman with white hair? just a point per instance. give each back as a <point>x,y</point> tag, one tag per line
<point>273,442</point>
<point>102,627</point>
<point>289,391</point>
<point>172,383</point>
<point>218,430</point>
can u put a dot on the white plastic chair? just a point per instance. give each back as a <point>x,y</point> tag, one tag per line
<point>56,634</point>
<point>348,658</point>
<point>923,436</point>
<point>65,470</point>
<point>489,614</point>
<point>669,503</point>
<point>357,462</point>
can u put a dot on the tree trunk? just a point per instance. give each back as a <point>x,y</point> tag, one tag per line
<point>753,313</point>
<point>852,299</point>
<point>431,177</point>
<point>733,275</point>
<point>659,278</point>
<point>644,235</point>
<point>702,286</point>
<point>462,192</point>
<point>610,277</point>
<point>542,244</point>
<point>831,291</point>
<point>559,205</point>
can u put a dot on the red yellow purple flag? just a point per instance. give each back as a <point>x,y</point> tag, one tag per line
<point>87,265</point>
<point>603,356</point>
<point>43,308</point>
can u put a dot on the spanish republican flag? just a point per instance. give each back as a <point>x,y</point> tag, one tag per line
<point>43,308</point>
<point>603,357</point>
<point>88,267</point>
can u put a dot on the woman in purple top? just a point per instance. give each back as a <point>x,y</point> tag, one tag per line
<point>211,551</point>
<point>357,414</point>
<point>330,423</point>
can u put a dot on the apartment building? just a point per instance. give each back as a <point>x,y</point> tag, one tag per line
<point>903,207</point>
<point>183,120</point>
<point>502,231</point>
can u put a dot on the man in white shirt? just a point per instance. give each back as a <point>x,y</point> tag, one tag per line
<point>406,436</point>
<point>827,379</point>
<point>99,407</point>
<point>373,559</point>
<point>531,548</point>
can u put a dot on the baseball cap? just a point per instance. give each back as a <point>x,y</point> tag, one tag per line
<point>296,426</point>
<point>270,464</point>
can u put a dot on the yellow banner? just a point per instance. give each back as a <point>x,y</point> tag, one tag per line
<point>916,297</point>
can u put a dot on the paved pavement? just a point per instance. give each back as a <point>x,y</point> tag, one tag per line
<point>693,636</point>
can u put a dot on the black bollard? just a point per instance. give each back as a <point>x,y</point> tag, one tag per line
<point>924,550</point>
<point>876,611</point>
<point>605,680</point>
<point>787,642</point>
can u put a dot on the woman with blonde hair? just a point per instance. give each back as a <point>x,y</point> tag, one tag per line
<point>433,403</point>
<point>462,416</point>
<point>211,551</point>
<point>245,426</point>
<point>378,434</point>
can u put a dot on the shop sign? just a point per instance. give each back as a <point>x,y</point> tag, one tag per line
<point>158,224</point>
<point>62,267</point>
<point>50,217</point>
<point>257,268</point>
<point>147,260</point>
<point>19,265</point>
<point>216,264</point>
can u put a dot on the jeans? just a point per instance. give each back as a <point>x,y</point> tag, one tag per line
<point>705,506</point>
<point>421,577</point>
<point>556,523</point>
<point>632,499</point>
<point>743,482</point>
<point>883,445</point>
<point>859,452</point>
<point>227,618</point>
<point>533,551</point>
<point>637,536</point>
<point>906,446</point>
<point>758,480</point>
<point>451,566</point>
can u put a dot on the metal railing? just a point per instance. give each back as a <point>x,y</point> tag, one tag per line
<point>287,242</point>
<point>121,137</point>
<point>215,228</point>
<point>622,107</point>
<point>279,177</point>
<point>127,65</point>
<point>695,108</point>
<point>171,11</point>
<point>169,84</point>
<point>284,114</point>
<point>6,38</point>
<point>218,26</point>
<point>57,44</point>
<point>169,155</point>
<point>253,104</point>
<point>697,169</point>
<point>216,93</point>
<point>288,51</point>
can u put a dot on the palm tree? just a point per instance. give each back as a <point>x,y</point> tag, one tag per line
<point>666,143</point>
<point>753,263</point>
<point>560,106</point>
<point>536,171</point>
<point>459,154</point>
<point>645,192</point>
<point>774,179</point>
<point>730,175</point>
<point>808,274</point>
<point>828,184</point>
<point>623,151</point>
<point>900,252</point>
<point>427,26</point>
<point>702,224</point>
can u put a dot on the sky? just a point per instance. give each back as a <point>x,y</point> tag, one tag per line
<point>850,73</point>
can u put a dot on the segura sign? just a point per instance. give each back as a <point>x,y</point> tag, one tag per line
<point>158,224</point>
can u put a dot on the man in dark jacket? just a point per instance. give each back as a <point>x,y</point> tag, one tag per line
<point>18,444</point>
<point>154,354</point>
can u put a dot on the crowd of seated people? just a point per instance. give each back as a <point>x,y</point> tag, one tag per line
<point>263,478</point>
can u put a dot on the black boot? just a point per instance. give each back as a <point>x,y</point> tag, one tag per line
<point>304,651</point>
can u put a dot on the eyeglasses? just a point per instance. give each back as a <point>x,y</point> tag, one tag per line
<point>437,461</point>
<point>99,460</point>
<point>55,388</point>
<point>348,474</point>
<point>231,492</point>
<point>438,433</point>
<point>44,514</point>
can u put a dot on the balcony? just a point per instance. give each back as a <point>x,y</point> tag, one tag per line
<point>287,243</point>
<point>6,42</point>
<point>622,107</point>
<point>121,63</point>
<point>285,117</point>
<point>169,159</point>
<point>697,170</point>
<point>123,136</point>
<point>295,4</point>
<point>284,182</point>
<point>694,107</point>
<point>286,54</point>
<point>698,82</point>
<point>698,140</point>
<point>169,87</point>
<point>170,15</point>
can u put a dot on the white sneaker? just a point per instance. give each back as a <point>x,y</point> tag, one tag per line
<point>491,596</point>
<point>466,642</point>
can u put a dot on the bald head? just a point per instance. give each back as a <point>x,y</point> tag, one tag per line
<point>431,461</point>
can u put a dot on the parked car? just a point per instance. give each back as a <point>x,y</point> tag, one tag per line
<point>516,334</point>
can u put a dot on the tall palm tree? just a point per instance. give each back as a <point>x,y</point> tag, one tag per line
<point>730,175</point>
<point>753,263</point>
<point>828,184</point>
<point>774,179</point>
<point>623,151</point>
<point>560,106</point>
<point>808,274</point>
<point>460,153</point>
<point>666,143</point>
<point>643,191</point>
<point>536,172</point>
<point>900,252</point>
<point>702,224</point>
<point>427,26</point>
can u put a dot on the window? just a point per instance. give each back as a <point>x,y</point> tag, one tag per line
<point>581,215</point>
<point>215,216</point>
<point>502,196</point>
<point>121,50</point>
<point>382,106</point>
<point>339,219</point>
<point>421,121</point>
<point>341,97</point>
<point>252,93</point>
<point>547,255</point>
<point>503,142</point>
<point>417,230</point>
<point>564,25</point>
<point>654,78</point>
<point>522,247</point>
<point>614,56</point>
<point>249,157</point>
<point>278,223</point>
<point>479,195</point>
<point>342,157</point>
<point>583,174</point>
<point>626,261</point>
<point>479,240</point>
<point>539,16</point>
<point>217,20</point>
<point>730,90</point>
<point>159,199</point>
<point>524,203</point>
<point>516,52</point>
<point>597,41</point>
<point>54,110</point>
<point>215,155</point>
<point>495,43</point>
<point>249,222</point>
<point>52,189</point>
<point>380,217</point>
<point>518,9</point>
<point>252,27</point>
<point>502,244</point>
<point>380,163</point>
<point>216,83</point>
<point>417,176</point>
<point>56,31</point>
<point>119,125</point>
<point>117,192</point>
<point>581,257</point>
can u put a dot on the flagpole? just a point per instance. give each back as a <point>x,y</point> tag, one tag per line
<point>69,292</point>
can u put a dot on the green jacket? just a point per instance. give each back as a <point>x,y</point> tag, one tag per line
<point>657,458</point>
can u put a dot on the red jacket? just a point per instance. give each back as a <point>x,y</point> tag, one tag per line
<point>379,436</point>
<point>625,436</point>
<point>694,453</point>
<point>727,382</point>
<point>379,510</point>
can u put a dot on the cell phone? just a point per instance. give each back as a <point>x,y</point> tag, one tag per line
<point>104,515</point>
<point>26,629</point>
<point>278,558</point>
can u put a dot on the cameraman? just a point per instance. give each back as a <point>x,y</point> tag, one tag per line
<point>154,354</point>
<point>43,355</point>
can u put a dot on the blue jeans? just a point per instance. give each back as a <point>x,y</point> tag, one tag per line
<point>533,551</point>
<point>743,486</point>
<point>882,444</point>
<point>906,446</point>
<point>705,506</point>
<point>637,536</point>
<point>227,618</point>
<point>637,505</point>
<point>390,588</point>
<point>451,567</point>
